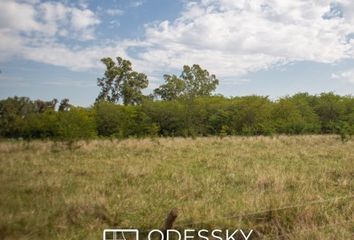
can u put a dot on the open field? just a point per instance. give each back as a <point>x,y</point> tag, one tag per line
<point>50,191</point>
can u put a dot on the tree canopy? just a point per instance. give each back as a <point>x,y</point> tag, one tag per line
<point>186,108</point>
<point>120,82</point>
<point>326,113</point>
<point>193,82</point>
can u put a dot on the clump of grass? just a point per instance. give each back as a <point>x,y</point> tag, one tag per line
<point>51,191</point>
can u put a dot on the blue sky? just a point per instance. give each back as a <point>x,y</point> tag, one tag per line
<point>268,47</point>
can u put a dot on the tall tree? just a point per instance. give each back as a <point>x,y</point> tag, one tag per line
<point>120,82</point>
<point>64,105</point>
<point>193,82</point>
<point>198,81</point>
<point>41,106</point>
<point>172,89</point>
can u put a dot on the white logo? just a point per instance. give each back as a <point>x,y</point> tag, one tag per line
<point>120,234</point>
<point>186,234</point>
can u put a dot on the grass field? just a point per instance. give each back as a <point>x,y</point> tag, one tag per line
<point>51,191</point>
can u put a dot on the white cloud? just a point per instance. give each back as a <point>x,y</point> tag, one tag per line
<point>114,12</point>
<point>229,38</point>
<point>75,59</point>
<point>83,21</point>
<point>114,24</point>
<point>30,29</point>
<point>347,76</point>
<point>32,18</point>
<point>235,37</point>
<point>137,3</point>
<point>18,17</point>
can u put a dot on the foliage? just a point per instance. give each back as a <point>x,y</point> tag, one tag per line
<point>172,89</point>
<point>120,82</point>
<point>64,105</point>
<point>122,121</point>
<point>168,116</point>
<point>78,123</point>
<point>198,81</point>
<point>193,82</point>
<point>15,111</point>
<point>201,116</point>
<point>330,110</point>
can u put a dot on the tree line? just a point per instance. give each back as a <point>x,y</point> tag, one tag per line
<point>182,106</point>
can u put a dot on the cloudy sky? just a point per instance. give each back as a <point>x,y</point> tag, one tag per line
<point>267,47</point>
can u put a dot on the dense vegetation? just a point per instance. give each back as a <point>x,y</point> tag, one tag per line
<point>182,106</point>
<point>200,116</point>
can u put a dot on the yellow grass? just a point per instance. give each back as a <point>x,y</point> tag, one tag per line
<point>51,191</point>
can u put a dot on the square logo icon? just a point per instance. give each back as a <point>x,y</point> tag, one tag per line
<point>121,234</point>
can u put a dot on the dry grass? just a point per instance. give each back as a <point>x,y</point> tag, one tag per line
<point>49,191</point>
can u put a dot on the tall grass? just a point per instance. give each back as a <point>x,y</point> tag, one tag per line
<point>51,191</point>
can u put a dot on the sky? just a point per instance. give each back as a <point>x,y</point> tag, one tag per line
<point>275,48</point>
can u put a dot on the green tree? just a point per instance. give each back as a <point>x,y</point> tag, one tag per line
<point>166,116</point>
<point>287,117</point>
<point>330,108</point>
<point>64,105</point>
<point>114,120</point>
<point>193,82</point>
<point>198,81</point>
<point>131,88</point>
<point>120,82</point>
<point>251,115</point>
<point>39,125</point>
<point>107,118</point>
<point>172,89</point>
<point>13,110</point>
<point>77,123</point>
<point>42,106</point>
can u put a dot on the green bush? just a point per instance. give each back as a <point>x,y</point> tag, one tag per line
<point>77,123</point>
<point>200,116</point>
